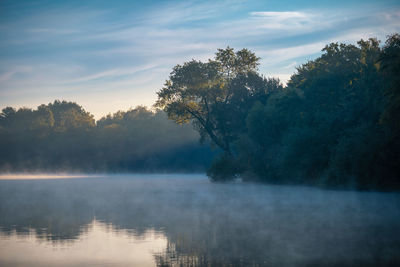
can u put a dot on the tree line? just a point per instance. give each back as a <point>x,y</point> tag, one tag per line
<point>62,136</point>
<point>336,123</point>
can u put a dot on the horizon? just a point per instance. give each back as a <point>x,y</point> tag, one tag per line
<point>110,57</point>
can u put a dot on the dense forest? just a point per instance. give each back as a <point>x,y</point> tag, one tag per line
<point>62,136</point>
<point>336,123</point>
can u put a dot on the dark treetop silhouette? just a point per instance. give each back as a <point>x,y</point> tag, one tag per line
<point>335,123</point>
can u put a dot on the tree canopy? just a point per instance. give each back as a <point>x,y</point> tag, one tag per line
<point>335,123</point>
<point>62,136</point>
<point>215,95</point>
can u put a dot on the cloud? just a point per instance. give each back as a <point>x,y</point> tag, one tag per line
<point>280,15</point>
<point>111,73</point>
<point>274,56</point>
<point>187,12</point>
<point>286,20</point>
<point>52,31</point>
<point>6,76</point>
<point>82,51</point>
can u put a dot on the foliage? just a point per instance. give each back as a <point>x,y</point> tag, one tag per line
<point>62,136</point>
<point>336,123</point>
<point>390,64</point>
<point>213,95</point>
<point>216,97</point>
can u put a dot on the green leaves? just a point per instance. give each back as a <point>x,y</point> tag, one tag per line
<point>232,63</point>
<point>213,95</point>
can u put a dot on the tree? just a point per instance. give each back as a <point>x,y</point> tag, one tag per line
<point>69,115</point>
<point>216,97</point>
<point>390,64</point>
<point>212,95</point>
<point>62,136</point>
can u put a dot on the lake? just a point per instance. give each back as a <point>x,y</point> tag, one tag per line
<point>185,220</point>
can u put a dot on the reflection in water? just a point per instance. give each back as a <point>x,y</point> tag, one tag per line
<point>100,244</point>
<point>188,221</point>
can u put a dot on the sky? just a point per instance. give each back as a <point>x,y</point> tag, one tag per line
<point>115,55</point>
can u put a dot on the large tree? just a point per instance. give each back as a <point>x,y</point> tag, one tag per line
<point>216,95</point>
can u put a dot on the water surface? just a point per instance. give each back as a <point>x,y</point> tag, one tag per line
<point>174,220</point>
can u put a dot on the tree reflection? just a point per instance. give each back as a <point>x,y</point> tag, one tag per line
<point>213,224</point>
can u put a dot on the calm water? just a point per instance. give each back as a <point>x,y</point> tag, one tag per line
<point>184,220</point>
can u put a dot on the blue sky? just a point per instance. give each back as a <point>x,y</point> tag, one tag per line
<point>113,55</point>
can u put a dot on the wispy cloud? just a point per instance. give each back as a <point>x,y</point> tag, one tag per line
<point>13,71</point>
<point>283,15</point>
<point>113,73</point>
<point>88,52</point>
<point>52,31</point>
<point>6,76</point>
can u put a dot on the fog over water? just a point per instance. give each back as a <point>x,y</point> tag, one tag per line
<point>169,220</point>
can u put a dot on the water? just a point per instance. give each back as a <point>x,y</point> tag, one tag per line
<point>184,220</point>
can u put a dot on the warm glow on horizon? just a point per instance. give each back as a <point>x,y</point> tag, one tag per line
<point>41,176</point>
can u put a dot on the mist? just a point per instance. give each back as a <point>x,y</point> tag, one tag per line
<point>61,137</point>
<point>229,166</point>
<point>208,224</point>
